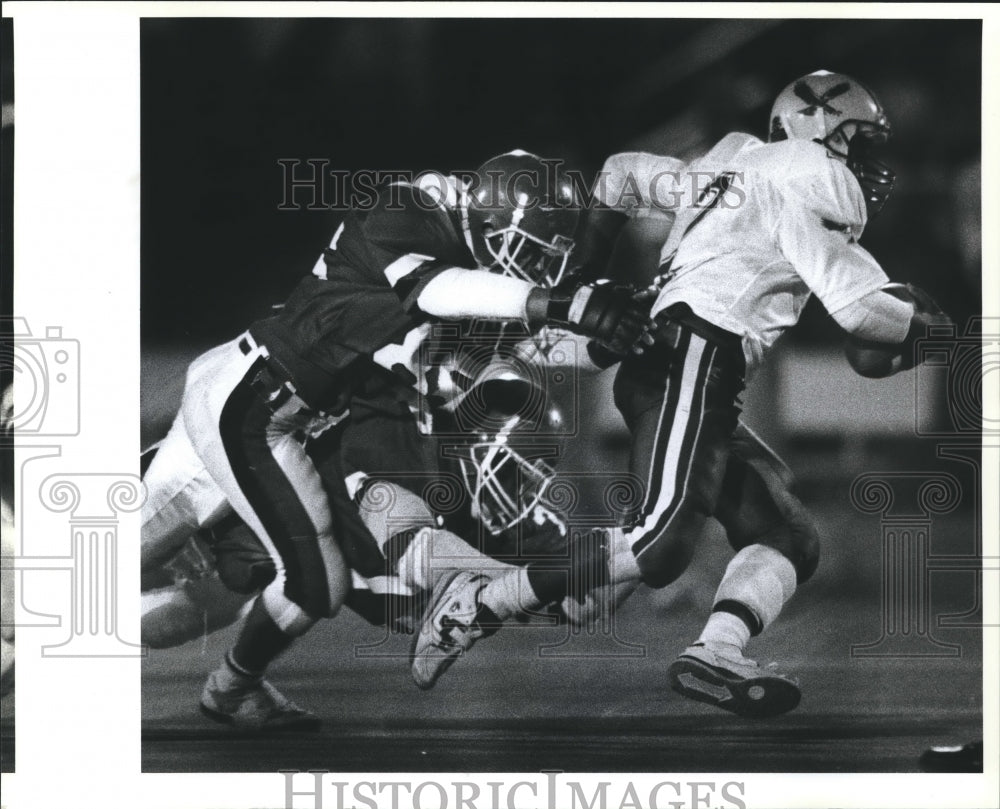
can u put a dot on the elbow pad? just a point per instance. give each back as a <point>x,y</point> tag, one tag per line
<point>878,317</point>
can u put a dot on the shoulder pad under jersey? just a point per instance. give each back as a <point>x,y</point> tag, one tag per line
<point>805,174</point>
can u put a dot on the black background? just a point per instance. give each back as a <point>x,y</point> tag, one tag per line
<point>223,100</point>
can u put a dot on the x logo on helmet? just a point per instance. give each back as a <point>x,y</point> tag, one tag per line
<point>804,91</point>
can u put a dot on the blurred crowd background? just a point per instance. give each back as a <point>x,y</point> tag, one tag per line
<point>224,100</point>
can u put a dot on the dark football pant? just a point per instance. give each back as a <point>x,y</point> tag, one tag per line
<point>679,401</point>
<point>758,507</point>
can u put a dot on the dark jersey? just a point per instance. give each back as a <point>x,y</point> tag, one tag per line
<point>365,296</point>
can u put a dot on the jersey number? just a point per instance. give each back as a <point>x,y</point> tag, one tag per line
<point>708,199</point>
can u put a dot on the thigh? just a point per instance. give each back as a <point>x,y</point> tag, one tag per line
<point>680,444</point>
<point>267,477</point>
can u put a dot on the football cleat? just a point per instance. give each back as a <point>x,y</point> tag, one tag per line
<point>253,705</point>
<point>450,626</point>
<point>722,677</point>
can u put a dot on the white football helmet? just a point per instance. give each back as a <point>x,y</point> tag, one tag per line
<point>844,116</point>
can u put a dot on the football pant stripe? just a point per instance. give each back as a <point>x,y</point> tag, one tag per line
<point>671,394</point>
<point>688,451</point>
<point>674,460</point>
<point>276,485</point>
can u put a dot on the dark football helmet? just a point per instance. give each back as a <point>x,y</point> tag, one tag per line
<point>844,116</point>
<point>521,216</point>
<point>505,461</point>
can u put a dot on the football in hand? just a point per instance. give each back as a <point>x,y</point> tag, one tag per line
<point>874,360</point>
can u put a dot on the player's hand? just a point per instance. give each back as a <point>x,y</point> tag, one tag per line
<point>609,314</point>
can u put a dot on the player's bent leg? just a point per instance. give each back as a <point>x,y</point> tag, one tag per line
<point>778,547</point>
<point>404,529</point>
<point>246,441</point>
<point>181,498</point>
<point>188,610</point>
<point>679,404</point>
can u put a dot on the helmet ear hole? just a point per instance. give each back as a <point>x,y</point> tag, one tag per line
<point>778,132</point>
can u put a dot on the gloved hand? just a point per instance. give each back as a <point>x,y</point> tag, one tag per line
<point>614,316</point>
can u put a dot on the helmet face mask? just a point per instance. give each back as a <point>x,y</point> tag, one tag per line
<point>517,253</point>
<point>842,115</point>
<point>875,177</point>
<point>521,216</point>
<point>506,435</point>
<point>504,485</point>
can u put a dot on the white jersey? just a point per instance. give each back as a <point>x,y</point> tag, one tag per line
<point>759,227</point>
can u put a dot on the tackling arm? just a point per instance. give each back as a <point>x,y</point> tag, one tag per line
<point>603,312</point>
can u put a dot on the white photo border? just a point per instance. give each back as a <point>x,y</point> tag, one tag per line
<point>76,220</point>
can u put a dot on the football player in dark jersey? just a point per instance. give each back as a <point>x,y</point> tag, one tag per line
<point>474,487</point>
<point>491,248</point>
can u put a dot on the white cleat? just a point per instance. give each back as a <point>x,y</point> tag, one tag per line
<point>254,705</point>
<point>722,676</point>
<point>450,626</point>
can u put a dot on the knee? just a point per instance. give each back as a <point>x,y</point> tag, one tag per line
<point>807,542</point>
<point>295,616</point>
<point>317,603</point>
<point>664,561</point>
<point>798,540</point>
<point>169,618</point>
<point>320,594</point>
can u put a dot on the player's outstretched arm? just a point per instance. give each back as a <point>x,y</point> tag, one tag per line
<point>603,312</point>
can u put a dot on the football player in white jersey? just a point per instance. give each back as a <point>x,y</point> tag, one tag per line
<point>768,225</point>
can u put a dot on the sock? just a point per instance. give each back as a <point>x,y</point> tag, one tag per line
<point>526,589</point>
<point>622,564</point>
<point>725,628</point>
<point>260,641</point>
<point>512,592</point>
<point>757,583</point>
<point>544,582</point>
